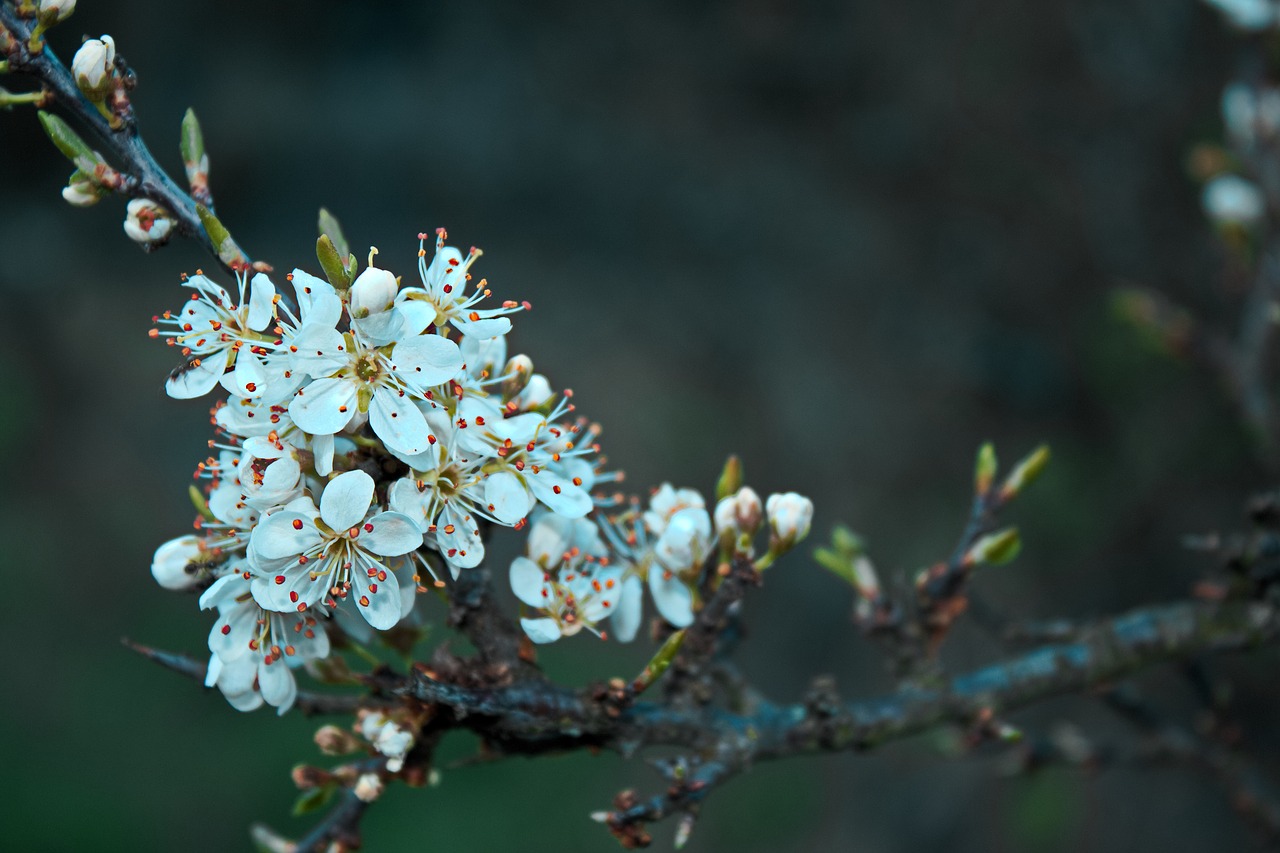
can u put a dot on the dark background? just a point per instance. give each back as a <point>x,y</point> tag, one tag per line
<point>848,241</point>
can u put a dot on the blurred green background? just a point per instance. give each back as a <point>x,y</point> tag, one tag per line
<point>846,240</point>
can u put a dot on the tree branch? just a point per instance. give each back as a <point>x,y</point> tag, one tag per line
<point>144,177</point>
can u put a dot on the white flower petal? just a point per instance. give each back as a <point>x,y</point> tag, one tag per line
<point>627,618</point>
<point>346,499</point>
<point>324,406</point>
<point>541,630</point>
<point>322,448</point>
<point>284,534</point>
<point>427,360</point>
<point>507,497</point>
<point>318,350</point>
<point>528,582</point>
<point>196,381</point>
<point>418,314</point>
<point>262,294</point>
<point>458,538</point>
<point>393,534</point>
<point>483,329</point>
<point>377,599</point>
<point>398,422</point>
<point>278,686</point>
<point>672,598</point>
<point>560,494</point>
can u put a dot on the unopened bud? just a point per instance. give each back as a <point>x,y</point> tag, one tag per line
<point>1026,471</point>
<point>995,549</point>
<point>94,67</point>
<point>83,191</point>
<point>368,787</point>
<point>147,222</point>
<point>373,292</point>
<point>306,777</point>
<point>739,514</point>
<point>180,563</point>
<point>55,11</point>
<point>518,372</point>
<point>730,478</point>
<point>333,740</point>
<point>790,516</point>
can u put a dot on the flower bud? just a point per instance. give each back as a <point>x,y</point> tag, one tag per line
<point>1231,200</point>
<point>373,292</point>
<point>147,222</point>
<point>55,11</point>
<point>180,563</point>
<point>518,372</point>
<point>368,787</point>
<point>83,191</point>
<point>739,513</point>
<point>333,740</point>
<point>790,515</point>
<point>94,67</point>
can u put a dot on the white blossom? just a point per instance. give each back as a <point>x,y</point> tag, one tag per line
<point>146,222</point>
<point>1232,200</point>
<point>442,300</point>
<point>304,555</point>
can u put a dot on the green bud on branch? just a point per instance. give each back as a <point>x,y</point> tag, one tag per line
<point>730,478</point>
<point>995,549</point>
<point>228,252</point>
<point>1025,472</point>
<point>984,470</point>
<point>658,664</point>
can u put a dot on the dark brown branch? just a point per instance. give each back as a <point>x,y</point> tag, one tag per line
<point>708,631</point>
<point>533,716</point>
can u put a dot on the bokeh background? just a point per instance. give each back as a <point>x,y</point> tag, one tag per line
<point>848,241</point>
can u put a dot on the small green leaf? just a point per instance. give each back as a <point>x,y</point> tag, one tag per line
<point>69,142</point>
<point>201,505</point>
<point>313,800</point>
<point>330,228</point>
<point>658,664</point>
<point>730,478</point>
<point>984,470</point>
<point>995,549</point>
<point>331,262</point>
<point>192,142</point>
<point>846,541</point>
<point>838,564</point>
<point>1026,471</point>
<point>228,252</point>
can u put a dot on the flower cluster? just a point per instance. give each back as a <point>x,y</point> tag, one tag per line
<point>370,433</point>
<point>577,574</point>
<point>370,430</point>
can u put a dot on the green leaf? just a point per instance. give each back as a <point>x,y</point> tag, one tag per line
<point>313,800</point>
<point>69,142</point>
<point>984,469</point>
<point>330,228</point>
<point>996,549</point>
<point>838,564</point>
<point>228,252</point>
<point>201,505</point>
<point>730,478</point>
<point>1026,471</point>
<point>192,143</point>
<point>658,663</point>
<point>846,541</point>
<point>331,262</point>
